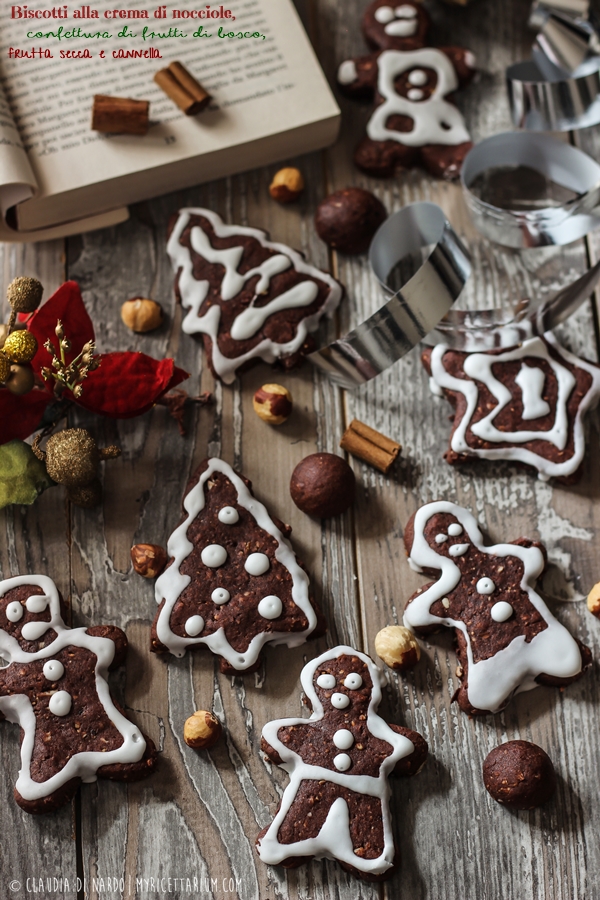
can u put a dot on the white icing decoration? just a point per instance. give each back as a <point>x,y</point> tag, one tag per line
<point>353,681</point>
<point>485,586</point>
<point>347,73</point>
<point>441,538</point>
<point>455,529</point>
<point>417,77</point>
<point>458,549</point>
<point>194,626</point>
<point>479,366</point>
<point>501,611</point>
<point>384,14</point>
<point>251,320</point>
<point>434,388</point>
<point>406,11</point>
<point>32,631</point>
<point>257,564</point>
<point>193,293</point>
<point>60,703</point>
<point>531,381</point>
<point>491,682</point>
<point>171,584</point>
<point>270,607</point>
<point>470,59</point>
<point>414,566</point>
<point>14,611</point>
<point>333,841</point>
<point>17,708</point>
<point>401,28</point>
<point>415,94</point>
<point>340,701</point>
<point>342,762</point>
<point>327,682</point>
<point>214,556</point>
<point>427,116</point>
<point>220,596</point>
<point>343,739</point>
<point>53,670</point>
<point>229,515</point>
<point>36,604</point>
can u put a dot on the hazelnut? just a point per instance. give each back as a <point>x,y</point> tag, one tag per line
<point>148,559</point>
<point>287,185</point>
<point>397,647</point>
<point>141,314</point>
<point>323,485</point>
<point>21,380</point>
<point>273,403</point>
<point>593,600</point>
<point>202,730</point>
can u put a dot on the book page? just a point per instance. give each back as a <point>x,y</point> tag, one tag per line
<point>17,180</point>
<point>260,85</point>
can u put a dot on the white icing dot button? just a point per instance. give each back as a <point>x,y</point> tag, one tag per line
<point>220,596</point>
<point>14,611</point>
<point>406,11</point>
<point>194,625</point>
<point>229,515</point>
<point>343,739</point>
<point>270,607</point>
<point>441,538</point>
<point>347,72</point>
<point>53,670</point>
<point>327,682</point>
<point>353,681</point>
<point>485,586</point>
<point>384,14</point>
<point>340,701</point>
<point>60,703</point>
<point>455,529</point>
<point>458,549</point>
<point>415,94</point>
<point>37,603</point>
<point>257,564</point>
<point>417,77</point>
<point>214,556</point>
<point>501,611</point>
<point>342,762</point>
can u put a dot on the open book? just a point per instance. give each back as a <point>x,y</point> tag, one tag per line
<point>58,177</point>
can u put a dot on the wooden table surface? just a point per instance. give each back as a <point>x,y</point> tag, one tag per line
<point>199,815</point>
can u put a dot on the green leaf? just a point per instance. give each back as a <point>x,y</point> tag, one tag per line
<point>23,476</point>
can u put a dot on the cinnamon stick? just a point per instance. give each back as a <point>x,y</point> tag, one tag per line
<point>183,89</point>
<point>369,445</point>
<point>120,115</point>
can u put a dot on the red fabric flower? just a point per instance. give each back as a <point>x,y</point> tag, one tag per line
<point>21,416</point>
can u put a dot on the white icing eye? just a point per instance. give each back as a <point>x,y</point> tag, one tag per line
<point>60,703</point>
<point>327,682</point>
<point>214,556</point>
<point>194,625</point>
<point>415,94</point>
<point>501,611</point>
<point>401,28</point>
<point>343,739</point>
<point>14,611</point>
<point>257,564</point>
<point>455,529</point>
<point>136,737</point>
<point>229,515</point>
<point>405,12</point>
<point>458,549</point>
<point>347,72</point>
<point>353,681</point>
<point>31,631</point>
<point>417,77</point>
<point>470,59</point>
<point>53,670</point>
<point>342,762</point>
<point>441,538</point>
<point>485,586</point>
<point>340,701</point>
<point>220,596</point>
<point>384,14</point>
<point>37,604</point>
<point>270,607</point>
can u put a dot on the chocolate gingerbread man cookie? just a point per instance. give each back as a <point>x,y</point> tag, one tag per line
<point>55,688</point>
<point>508,641</point>
<point>525,404</point>
<point>233,583</point>
<point>414,121</point>
<point>249,298</point>
<point>337,804</point>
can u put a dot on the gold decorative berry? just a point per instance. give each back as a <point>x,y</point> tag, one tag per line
<point>141,314</point>
<point>20,380</point>
<point>397,647</point>
<point>593,600</point>
<point>272,403</point>
<point>4,368</point>
<point>20,346</point>
<point>287,185</point>
<point>24,294</point>
<point>202,730</point>
<point>148,559</point>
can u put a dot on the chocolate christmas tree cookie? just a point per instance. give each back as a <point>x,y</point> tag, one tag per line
<point>55,688</point>
<point>249,298</point>
<point>233,583</point>
<point>508,641</point>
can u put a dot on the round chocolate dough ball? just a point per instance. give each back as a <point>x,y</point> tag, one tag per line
<point>519,775</point>
<point>348,219</point>
<point>323,485</point>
